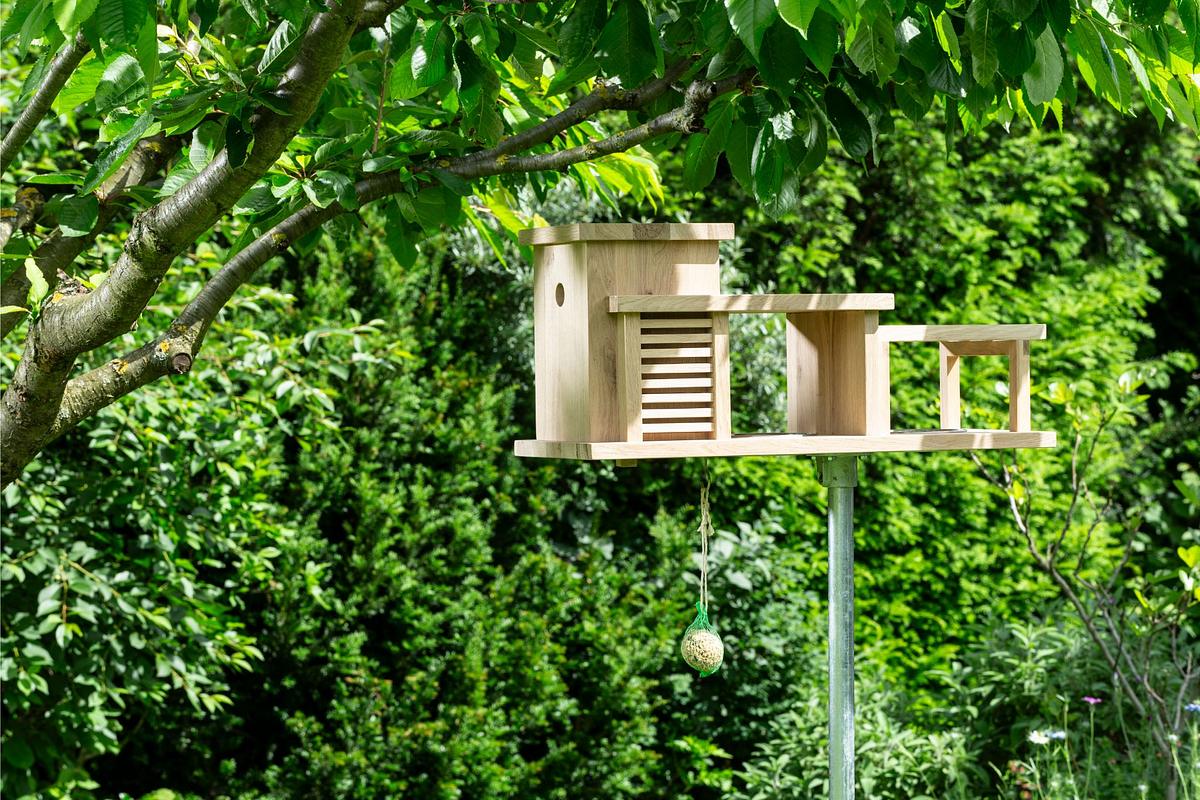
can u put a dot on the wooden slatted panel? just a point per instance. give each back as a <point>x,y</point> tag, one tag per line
<point>677,355</point>
<point>699,368</point>
<point>676,338</point>
<point>677,352</point>
<point>677,427</point>
<point>676,383</point>
<point>676,323</point>
<point>677,413</point>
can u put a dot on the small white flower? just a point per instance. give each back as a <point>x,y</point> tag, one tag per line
<point>1057,736</point>
<point>1038,737</point>
<point>1172,738</point>
<point>1143,789</point>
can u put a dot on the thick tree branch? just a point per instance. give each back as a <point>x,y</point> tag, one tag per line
<point>24,210</point>
<point>80,323</point>
<point>27,121</point>
<point>57,252</point>
<point>174,351</point>
<point>375,12</point>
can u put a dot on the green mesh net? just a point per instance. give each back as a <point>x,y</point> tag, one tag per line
<point>701,645</point>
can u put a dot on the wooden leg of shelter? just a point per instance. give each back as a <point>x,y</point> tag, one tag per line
<point>949,376</point>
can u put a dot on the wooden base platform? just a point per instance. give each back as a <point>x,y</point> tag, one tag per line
<point>789,444</point>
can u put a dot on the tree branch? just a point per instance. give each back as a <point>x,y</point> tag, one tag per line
<point>81,323</point>
<point>25,208</point>
<point>27,121</point>
<point>57,251</point>
<point>174,351</point>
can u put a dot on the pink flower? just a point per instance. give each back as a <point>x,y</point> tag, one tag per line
<point>1092,701</point>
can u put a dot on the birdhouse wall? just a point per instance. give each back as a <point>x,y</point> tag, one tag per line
<point>576,336</point>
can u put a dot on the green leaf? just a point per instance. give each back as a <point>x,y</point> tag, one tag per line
<point>81,86</point>
<point>781,61</point>
<point>279,48</point>
<point>1189,16</point>
<point>18,753</point>
<point>70,14</point>
<point>122,84</point>
<point>849,123</point>
<point>453,182</point>
<point>737,152</point>
<point>340,186</point>
<point>982,25</point>
<point>750,20</point>
<point>1190,555</point>
<point>1015,10</point>
<point>429,59</point>
<point>797,13</point>
<point>1095,61</point>
<point>237,142</point>
<point>1044,77</point>
<point>704,149</point>
<point>38,286</point>
<point>257,10</point>
<point>115,153</point>
<point>1058,15</point>
<point>873,48</point>
<point>77,215</point>
<point>1149,11</point>
<point>121,21</point>
<point>1015,49</point>
<point>579,32</point>
<point>627,44</point>
<point>914,98</point>
<point>943,26</point>
<point>820,44</point>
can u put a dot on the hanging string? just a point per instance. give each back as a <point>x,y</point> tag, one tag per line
<point>705,530</point>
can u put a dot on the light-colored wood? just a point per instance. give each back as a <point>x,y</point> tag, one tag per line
<point>698,368</point>
<point>791,444</point>
<point>750,303</point>
<point>804,344</point>
<point>629,376</point>
<point>677,427</point>
<point>695,412</point>
<point>677,383</point>
<point>626,231</point>
<point>722,414</point>
<point>562,377</point>
<point>948,388</point>
<point>992,348</point>
<point>1019,418</point>
<point>877,380</point>
<point>828,369</point>
<point>959,333</point>
<point>677,352</point>
<point>678,398</point>
<point>681,323</point>
<point>643,267</point>
<point>676,338</point>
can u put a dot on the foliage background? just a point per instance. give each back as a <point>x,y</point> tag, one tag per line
<point>315,569</point>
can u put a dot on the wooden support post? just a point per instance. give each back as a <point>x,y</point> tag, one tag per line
<point>838,373</point>
<point>722,423</point>
<point>877,377</point>
<point>1019,418</point>
<point>629,375</point>
<point>949,378</point>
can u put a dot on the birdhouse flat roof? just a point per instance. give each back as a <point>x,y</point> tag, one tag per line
<point>627,232</point>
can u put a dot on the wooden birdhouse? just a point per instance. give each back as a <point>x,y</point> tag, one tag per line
<point>632,356</point>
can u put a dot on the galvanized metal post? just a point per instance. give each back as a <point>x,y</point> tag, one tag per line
<point>839,474</point>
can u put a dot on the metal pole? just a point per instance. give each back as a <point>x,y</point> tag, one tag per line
<point>839,474</point>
